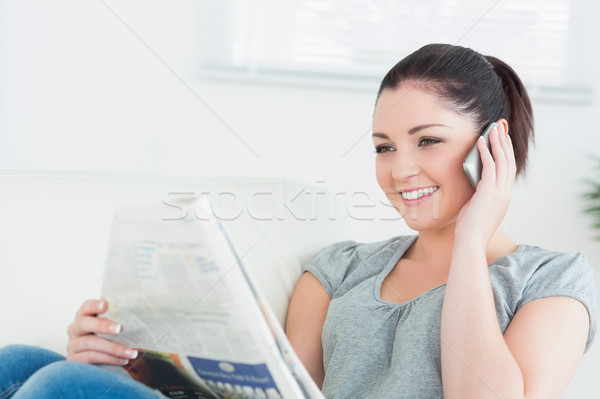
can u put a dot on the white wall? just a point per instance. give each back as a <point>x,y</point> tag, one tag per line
<point>115,87</point>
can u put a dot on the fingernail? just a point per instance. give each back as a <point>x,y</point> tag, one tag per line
<point>131,353</point>
<point>101,305</point>
<point>124,361</point>
<point>116,328</point>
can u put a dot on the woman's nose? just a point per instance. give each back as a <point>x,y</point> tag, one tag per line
<point>405,167</point>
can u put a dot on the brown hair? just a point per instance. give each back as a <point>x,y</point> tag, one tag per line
<point>482,88</point>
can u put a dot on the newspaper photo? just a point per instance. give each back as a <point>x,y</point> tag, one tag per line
<point>189,306</point>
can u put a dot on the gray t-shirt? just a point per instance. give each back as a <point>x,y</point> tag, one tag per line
<point>373,348</point>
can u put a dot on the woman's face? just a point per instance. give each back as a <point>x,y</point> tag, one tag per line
<point>421,144</point>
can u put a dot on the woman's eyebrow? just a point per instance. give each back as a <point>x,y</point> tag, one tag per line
<point>381,135</point>
<point>411,131</point>
<point>421,127</point>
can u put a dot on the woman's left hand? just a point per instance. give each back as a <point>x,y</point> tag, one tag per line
<point>482,214</point>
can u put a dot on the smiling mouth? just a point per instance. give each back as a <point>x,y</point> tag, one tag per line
<point>412,195</point>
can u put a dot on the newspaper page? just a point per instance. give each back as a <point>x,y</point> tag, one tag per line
<point>184,300</point>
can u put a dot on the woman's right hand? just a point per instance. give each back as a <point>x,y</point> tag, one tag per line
<point>85,346</point>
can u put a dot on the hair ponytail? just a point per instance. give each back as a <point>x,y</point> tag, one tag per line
<point>519,111</point>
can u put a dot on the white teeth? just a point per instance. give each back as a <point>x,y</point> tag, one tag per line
<point>410,195</point>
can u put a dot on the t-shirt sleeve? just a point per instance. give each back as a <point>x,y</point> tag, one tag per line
<point>331,264</point>
<point>567,274</point>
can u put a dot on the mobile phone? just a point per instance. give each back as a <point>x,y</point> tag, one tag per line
<point>472,163</point>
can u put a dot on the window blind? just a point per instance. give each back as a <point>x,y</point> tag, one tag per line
<point>353,43</point>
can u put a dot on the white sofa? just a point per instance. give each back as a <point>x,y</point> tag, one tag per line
<point>54,231</point>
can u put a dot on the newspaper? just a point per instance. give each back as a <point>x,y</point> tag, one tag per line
<point>191,309</point>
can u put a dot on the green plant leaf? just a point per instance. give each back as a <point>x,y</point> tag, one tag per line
<point>592,197</point>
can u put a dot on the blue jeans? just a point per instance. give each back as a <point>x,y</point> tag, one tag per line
<point>32,372</point>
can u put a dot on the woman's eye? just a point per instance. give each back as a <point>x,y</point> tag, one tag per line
<point>427,141</point>
<point>383,148</point>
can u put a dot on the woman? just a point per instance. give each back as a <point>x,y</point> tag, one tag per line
<point>458,310</point>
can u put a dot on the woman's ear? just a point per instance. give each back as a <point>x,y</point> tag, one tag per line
<point>504,123</point>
